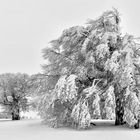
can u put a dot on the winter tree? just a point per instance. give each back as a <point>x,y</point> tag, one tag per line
<point>14,90</point>
<point>84,64</point>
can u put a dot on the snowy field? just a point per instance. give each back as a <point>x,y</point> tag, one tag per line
<point>34,130</point>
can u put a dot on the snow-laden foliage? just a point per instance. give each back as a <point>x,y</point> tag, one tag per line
<point>92,94</point>
<point>91,90</point>
<point>132,107</point>
<point>45,102</point>
<point>71,88</point>
<point>96,107</point>
<point>110,37</point>
<point>127,77</point>
<point>55,107</point>
<point>80,115</point>
<point>131,102</point>
<point>60,88</point>
<point>102,50</point>
<point>129,117</point>
<point>65,89</point>
<point>110,103</point>
<point>112,63</point>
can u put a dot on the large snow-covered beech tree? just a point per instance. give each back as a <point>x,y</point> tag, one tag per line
<point>88,66</point>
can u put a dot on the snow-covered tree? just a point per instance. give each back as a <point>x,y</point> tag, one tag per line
<point>86,63</point>
<point>14,90</point>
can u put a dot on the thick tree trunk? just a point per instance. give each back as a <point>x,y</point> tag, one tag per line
<point>15,116</point>
<point>136,126</point>
<point>119,110</point>
<point>15,111</point>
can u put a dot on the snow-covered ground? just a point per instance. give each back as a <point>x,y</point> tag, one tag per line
<point>35,130</point>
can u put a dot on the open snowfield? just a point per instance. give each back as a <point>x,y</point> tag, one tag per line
<point>34,130</point>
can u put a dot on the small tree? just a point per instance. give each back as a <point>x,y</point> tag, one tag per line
<point>14,90</point>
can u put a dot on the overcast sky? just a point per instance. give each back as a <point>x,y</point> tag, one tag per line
<point>26,26</point>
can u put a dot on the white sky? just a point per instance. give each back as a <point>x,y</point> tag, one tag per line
<point>26,26</point>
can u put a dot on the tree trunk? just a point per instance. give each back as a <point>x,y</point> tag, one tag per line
<point>15,111</point>
<point>15,114</point>
<point>119,110</point>
<point>136,126</point>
